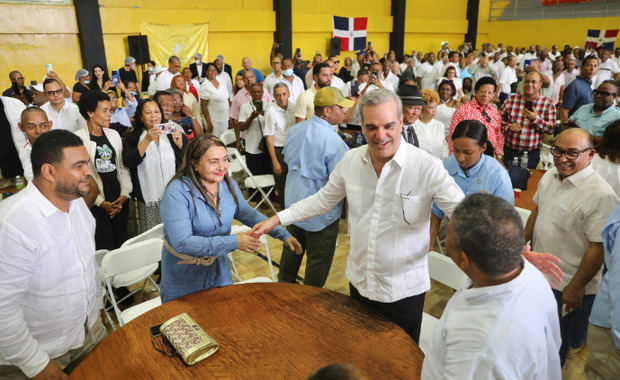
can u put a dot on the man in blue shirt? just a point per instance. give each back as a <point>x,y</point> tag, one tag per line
<point>312,150</point>
<point>247,64</point>
<point>604,330</point>
<point>579,92</point>
<point>595,117</point>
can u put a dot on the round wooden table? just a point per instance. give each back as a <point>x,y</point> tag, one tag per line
<point>265,331</point>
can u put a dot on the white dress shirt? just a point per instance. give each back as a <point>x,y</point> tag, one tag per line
<point>271,81</point>
<point>164,80</point>
<point>253,134</point>
<point>389,217</point>
<point>506,331</point>
<point>508,77</point>
<point>68,118</point>
<point>610,171</point>
<point>571,214</point>
<point>49,282</point>
<point>432,137</point>
<point>13,111</point>
<point>277,123</point>
<point>295,89</point>
<point>392,80</point>
<point>24,157</point>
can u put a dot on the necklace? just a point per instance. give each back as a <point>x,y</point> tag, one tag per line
<point>212,196</point>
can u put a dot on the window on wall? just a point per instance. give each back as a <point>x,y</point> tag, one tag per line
<point>550,9</point>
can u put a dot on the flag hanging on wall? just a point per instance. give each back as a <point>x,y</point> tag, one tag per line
<point>605,38</point>
<point>351,31</point>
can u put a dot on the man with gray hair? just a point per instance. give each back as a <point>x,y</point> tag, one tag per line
<point>127,73</point>
<point>165,78</point>
<point>505,325</point>
<point>197,68</point>
<point>389,186</point>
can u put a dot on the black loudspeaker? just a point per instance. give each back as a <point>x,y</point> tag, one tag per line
<point>139,49</point>
<point>335,47</point>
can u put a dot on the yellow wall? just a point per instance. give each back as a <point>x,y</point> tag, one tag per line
<point>33,35</point>
<point>312,24</point>
<point>236,27</point>
<point>429,22</point>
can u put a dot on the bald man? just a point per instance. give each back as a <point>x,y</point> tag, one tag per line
<point>573,203</point>
<point>33,123</point>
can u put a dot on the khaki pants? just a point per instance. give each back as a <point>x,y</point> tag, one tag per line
<point>68,361</point>
<point>604,358</point>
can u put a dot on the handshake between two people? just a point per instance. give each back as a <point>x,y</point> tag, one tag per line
<point>249,241</point>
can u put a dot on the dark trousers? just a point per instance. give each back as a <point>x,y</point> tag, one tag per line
<point>319,247</point>
<point>574,325</point>
<point>280,179</point>
<point>258,163</point>
<point>110,233</point>
<point>407,313</point>
<point>533,157</point>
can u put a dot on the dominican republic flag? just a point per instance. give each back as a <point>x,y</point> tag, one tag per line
<point>351,31</point>
<point>605,38</point>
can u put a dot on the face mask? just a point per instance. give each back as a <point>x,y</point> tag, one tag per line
<point>197,62</point>
<point>287,72</point>
<point>86,82</point>
<point>133,66</point>
<point>150,69</point>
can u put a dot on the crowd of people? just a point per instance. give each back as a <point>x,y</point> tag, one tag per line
<point>416,147</point>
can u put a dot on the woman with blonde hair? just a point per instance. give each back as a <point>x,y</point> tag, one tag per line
<point>431,132</point>
<point>198,208</point>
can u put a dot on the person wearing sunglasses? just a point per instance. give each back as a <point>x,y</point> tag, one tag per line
<point>573,203</point>
<point>62,114</point>
<point>597,116</point>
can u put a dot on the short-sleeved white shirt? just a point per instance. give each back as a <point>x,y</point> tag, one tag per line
<point>571,214</point>
<point>253,133</point>
<point>277,123</point>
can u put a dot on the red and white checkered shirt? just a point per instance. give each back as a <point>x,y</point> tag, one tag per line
<point>489,116</point>
<point>530,136</point>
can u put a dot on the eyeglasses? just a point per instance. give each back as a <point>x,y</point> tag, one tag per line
<point>604,93</point>
<point>162,345</point>
<point>486,116</point>
<point>56,92</point>
<point>402,204</point>
<point>570,154</point>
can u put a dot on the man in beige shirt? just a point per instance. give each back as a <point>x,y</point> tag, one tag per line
<point>573,203</point>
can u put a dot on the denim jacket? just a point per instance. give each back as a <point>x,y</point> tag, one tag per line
<point>192,227</point>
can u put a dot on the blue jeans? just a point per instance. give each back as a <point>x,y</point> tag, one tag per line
<point>574,325</point>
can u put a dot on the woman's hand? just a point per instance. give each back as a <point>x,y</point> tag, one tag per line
<point>110,208</point>
<point>247,243</point>
<point>152,135</point>
<point>277,168</point>
<point>294,245</point>
<point>107,85</point>
<point>177,137</point>
<point>186,111</point>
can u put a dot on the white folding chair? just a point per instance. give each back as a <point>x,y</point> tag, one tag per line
<point>524,214</point>
<point>228,137</point>
<point>263,239</point>
<point>258,183</point>
<point>126,259</point>
<point>442,269</point>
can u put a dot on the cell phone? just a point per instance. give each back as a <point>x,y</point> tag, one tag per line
<point>355,88</point>
<point>298,51</point>
<point>155,330</point>
<point>529,105</point>
<point>259,106</point>
<point>375,73</point>
<point>116,78</point>
<point>526,63</point>
<point>369,44</point>
<point>166,128</point>
<point>49,68</point>
<point>33,82</point>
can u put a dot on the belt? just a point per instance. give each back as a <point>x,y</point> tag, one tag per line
<point>187,259</point>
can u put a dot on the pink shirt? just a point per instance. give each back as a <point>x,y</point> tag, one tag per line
<point>242,97</point>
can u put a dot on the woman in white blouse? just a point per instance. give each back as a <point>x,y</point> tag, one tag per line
<point>430,132</point>
<point>447,104</point>
<point>214,102</point>
<point>607,160</point>
<point>450,74</point>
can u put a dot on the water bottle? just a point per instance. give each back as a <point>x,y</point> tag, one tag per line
<point>524,161</point>
<point>515,161</point>
<point>20,182</point>
<point>358,138</point>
